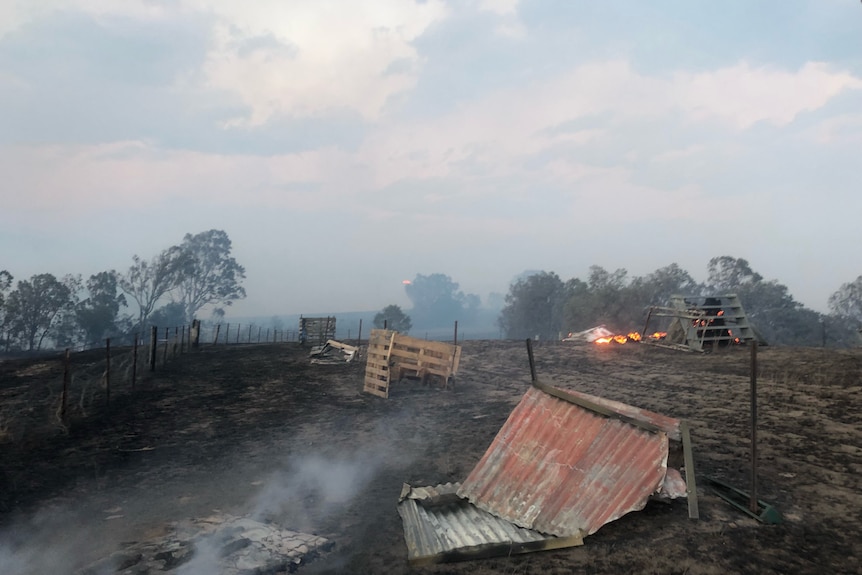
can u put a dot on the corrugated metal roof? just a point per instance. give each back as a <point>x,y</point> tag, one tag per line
<point>439,526</point>
<point>561,468</point>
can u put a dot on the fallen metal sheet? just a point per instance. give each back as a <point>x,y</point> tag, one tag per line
<point>567,463</point>
<point>440,527</point>
<point>333,352</point>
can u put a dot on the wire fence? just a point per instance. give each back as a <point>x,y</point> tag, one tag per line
<point>56,391</point>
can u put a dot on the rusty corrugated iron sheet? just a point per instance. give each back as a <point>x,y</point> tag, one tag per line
<point>439,526</point>
<point>567,463</point>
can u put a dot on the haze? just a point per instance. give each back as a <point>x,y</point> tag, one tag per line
<point>347,146</point>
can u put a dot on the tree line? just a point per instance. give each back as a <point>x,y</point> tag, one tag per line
<point>542,304</point>
<point>71,312</point>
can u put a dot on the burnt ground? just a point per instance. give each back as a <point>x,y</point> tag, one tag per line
<point>257,430</point>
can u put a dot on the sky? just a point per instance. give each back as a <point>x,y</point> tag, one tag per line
<point>345,146</point>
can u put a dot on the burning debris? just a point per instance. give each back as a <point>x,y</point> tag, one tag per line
<point>704,323</point>
<point>602,335</point>
<point>219,544</point>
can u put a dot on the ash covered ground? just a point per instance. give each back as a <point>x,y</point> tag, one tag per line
<point>259,432</point>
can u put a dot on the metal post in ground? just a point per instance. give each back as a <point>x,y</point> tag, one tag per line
<point>752,504</point>
<point>359,335</point>
<point>456,332</point>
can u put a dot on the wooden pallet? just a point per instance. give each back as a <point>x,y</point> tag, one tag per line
<point>393,357</point>
<point>377,363</point>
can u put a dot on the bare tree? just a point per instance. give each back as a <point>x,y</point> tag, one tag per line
<point>147,282</point>
<point>210,275</point>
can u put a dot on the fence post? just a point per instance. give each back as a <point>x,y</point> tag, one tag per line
<point>108,371</point>
<point>267,335</point>
<point>259,329</point>
<point>249,333</point>
<point>183,340</point>
<point>215,337</point>
<point>64,400</point>
<point>238,326</point>
<point>456,332</point>
<point>165,353</point>
<point>134,362</point>
<point>359,336</point>
<point>195,340</point>
<point>154,339</point>
<point>176,337</point>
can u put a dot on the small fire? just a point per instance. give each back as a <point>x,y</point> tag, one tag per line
<point>406,282</point>
<point>632,336</point>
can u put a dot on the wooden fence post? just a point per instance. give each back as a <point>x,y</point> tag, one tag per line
<point>249,333</point>
<point>165,353</point>
<point>238,326</point>
<point>259,329</point>
<point>359,337</point>
<point>227,334</point>
<point>215,337</point>
<point>64,399</point>
<point>154,340</point>
<point>176,337</point>
<point>108,371</point>
<point>183,340</point>
<point>134,362</point>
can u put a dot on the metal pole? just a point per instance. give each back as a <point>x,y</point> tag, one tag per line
<point>359,336</point>
<point>456,332</point>
<point>753,502</point>
<point>532,361</point>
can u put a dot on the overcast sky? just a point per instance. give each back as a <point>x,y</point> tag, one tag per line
<point>345,146</point>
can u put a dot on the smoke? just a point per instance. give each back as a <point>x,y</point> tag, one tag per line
<point>310,489</point>
<point>49,542</point>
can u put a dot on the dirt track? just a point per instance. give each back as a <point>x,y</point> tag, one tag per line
<point>258,430</point>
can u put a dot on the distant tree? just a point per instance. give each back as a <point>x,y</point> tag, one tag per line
<point>171,315</point>
<point>35,307</point>
<point>394,318</point>
<point>209,274</point>
<point>846,302</point>
<point>437,300</point>
<point>5,285</point>
<point>534,306</point>
<point>658,287</point>
<point>98,315</point>
<point>727,274</point>
<point>147,282</point>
